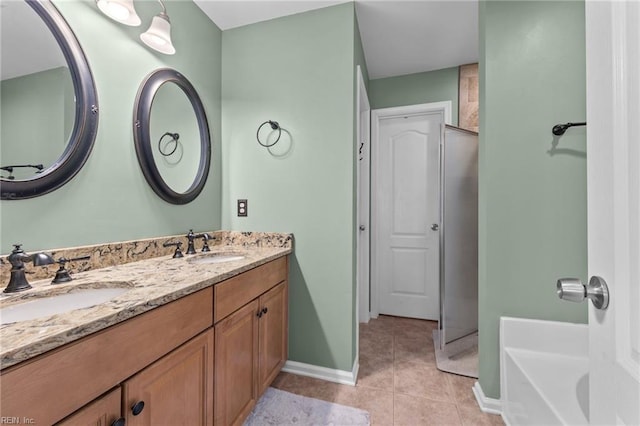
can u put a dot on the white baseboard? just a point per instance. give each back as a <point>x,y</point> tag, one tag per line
<point>328,374</point>
<point>488,405</point>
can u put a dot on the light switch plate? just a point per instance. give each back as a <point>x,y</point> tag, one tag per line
<point>242,208</point>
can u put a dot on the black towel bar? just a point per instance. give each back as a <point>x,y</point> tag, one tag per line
<point>559,129</point>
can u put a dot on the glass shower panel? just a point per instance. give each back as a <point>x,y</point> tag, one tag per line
<point>459,237</point>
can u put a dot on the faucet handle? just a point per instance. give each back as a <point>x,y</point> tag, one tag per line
<point>178,252</point>
<point>62,274</point>
<point>205,241</point>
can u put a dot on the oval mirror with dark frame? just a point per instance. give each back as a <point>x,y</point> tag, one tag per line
<point>47,133</point>
<point>172,140</point>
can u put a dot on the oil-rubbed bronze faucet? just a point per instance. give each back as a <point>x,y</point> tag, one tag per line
<point>205,239</point>
<point>190,237</point>
<point>18,281</point>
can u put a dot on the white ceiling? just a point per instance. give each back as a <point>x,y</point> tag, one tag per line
<point>399,36</point>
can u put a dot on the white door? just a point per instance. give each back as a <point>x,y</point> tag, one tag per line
<point>407,208</point>
<point>613,172</point>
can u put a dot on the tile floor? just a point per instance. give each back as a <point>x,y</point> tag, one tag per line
<point>398,382</point>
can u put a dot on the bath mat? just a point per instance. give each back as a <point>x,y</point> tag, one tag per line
<point>458,357</point>
<point>278,407</point>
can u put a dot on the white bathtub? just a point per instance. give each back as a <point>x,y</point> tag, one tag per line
<point>544,372</point>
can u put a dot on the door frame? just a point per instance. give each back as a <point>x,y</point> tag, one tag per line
<point>363,194</point>
<point>377,115</point>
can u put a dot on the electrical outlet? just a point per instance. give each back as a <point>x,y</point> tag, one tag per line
<point>242,208</point>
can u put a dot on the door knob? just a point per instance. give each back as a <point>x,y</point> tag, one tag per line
<point>119,422</point>
<point>137,408</point>
<point>362,227</point>
<point>435,227</point>
<point>573,290</point>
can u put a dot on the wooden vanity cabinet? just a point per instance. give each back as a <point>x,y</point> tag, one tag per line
<point>175,390</point>
<point>205,358</point>
<point>104,411</point>
<point>54,385</point>
<point>236,365</point>
<point>251,342</point>
<point>273,333</point>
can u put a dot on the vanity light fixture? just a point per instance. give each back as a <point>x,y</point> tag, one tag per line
<point>120,10</point>
<point>158,36</point>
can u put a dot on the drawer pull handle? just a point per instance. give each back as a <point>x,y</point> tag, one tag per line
<point>264,310</point>
<point>137,408</point>
<point>259,314</point>
<point>119,422</point>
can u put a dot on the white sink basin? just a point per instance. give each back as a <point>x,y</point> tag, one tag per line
<point>46,306</point>
<point>216,258</point>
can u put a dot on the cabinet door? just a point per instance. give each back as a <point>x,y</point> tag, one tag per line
<point>104,411</point>
<point>273,334</point>
<point>236,363</point>
<point>175,390</point>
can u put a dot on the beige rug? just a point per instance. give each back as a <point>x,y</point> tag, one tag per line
<point>458,357</point>
<point>277,407</point>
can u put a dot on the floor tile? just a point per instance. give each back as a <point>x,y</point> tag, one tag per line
<point>414,350</point>
<point>413,328</point>
<point>414,411</point>
<point>378,402</point>
<point>376,371</point>
<point>398,381</point>
<point>422,380</point>
<point>376,345</point>
<point>462,388</point>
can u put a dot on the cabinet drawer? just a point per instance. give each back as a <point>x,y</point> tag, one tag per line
<point>81,371</point>
<point>232,294</point>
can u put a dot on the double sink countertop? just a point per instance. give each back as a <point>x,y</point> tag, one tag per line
<point>149,283</point>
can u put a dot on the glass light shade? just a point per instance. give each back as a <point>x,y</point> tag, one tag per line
<point>120,10</point>
<point>158,36</point>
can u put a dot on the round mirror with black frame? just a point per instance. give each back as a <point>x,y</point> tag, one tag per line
<point>172,141</point>
<point>23,172</point>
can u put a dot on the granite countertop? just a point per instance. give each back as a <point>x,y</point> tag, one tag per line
<point>151,282</point>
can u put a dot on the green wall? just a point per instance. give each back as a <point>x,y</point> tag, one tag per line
<point>109,200</point>
<point>298,70</point>
<point>532,212</point>
<point>419,88</point>
<point>45,98</point>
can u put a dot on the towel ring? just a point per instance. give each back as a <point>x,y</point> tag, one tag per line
<point>274,126</point>
<point>174,139</point>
